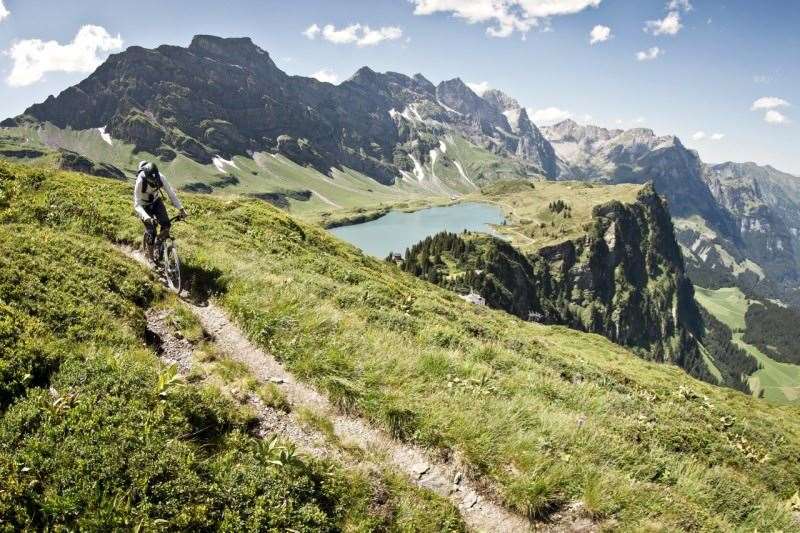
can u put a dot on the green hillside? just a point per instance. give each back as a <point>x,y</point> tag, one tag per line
<point>97,434</point>
<point>460,168</point>
<point>548,415</point>
<point>774,381</point>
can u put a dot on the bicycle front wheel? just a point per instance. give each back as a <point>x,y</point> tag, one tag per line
<point>172,266</point>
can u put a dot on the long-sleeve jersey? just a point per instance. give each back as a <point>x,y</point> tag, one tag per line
<point>144,194</point>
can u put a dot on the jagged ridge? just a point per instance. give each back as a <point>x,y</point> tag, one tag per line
<point>227,97</point>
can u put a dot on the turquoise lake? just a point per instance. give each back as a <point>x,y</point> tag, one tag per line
<point>397,231</point>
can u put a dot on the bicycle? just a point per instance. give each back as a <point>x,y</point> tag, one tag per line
<point>165,257</point>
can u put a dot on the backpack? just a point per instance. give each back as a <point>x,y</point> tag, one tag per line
<point>150,183</point>
<point>154,181</point>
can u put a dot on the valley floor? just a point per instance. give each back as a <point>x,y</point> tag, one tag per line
<point>774,381</point>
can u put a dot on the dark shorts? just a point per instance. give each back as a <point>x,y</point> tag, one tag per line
<point>159,211</point>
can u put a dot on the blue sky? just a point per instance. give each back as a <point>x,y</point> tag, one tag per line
<point>716,60</point>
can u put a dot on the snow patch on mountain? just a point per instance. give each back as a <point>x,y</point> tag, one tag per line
<point>221,163</point>
<point>464,174</point>
<point>419,170</point>
<point>450,109</point>
<point>105,136</point>
<point>512,115</point>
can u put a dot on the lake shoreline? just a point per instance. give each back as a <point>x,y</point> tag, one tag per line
<point>364,215</point>
<point>393,230</point>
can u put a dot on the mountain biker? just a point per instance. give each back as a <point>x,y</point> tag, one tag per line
<point>148,203</point>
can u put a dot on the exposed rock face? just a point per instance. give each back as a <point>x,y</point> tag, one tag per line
<point>765,204</point>
<point>68,160</point>
<point>624,280</point>
<point>529,143</point>
<point>639,156</point>
<point>227,97</point>
<point>749,215</point>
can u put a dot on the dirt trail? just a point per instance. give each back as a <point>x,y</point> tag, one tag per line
<point>172,349</point>
<point>479,513</point>
<point>446,479</point>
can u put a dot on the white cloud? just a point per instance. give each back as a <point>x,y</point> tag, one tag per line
<point>372,37</point>
<point>326,75</point>
<point>775,117</point>
<point>355,33</point>
<point>506,16</point>
<point>548,115</point>
<point>769,102</point>
<point>600,34</point>
<point>701,136</point>
<point>676,5</point>
<point>312,31</point>
<point>346,35</point>
<point>639,120</point>
<point>479,88</point>
<point>761,78</point>
<point>669,25</point>
<point>4,12</point>
<point>649,54</point>
<point>33,58</point>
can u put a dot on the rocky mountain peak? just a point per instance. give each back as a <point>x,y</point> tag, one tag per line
<point>639,133</point>
<point>224,96</point>
<point>566,130</point>
<point>425,82</point>
<point>570,131</point>
<point>501,101</point>
<point>731,170</point>
<point>227,49</point>
<point>364,75</point>
<point>456,95</point>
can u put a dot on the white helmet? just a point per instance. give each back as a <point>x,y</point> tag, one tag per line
<point>142,164</point>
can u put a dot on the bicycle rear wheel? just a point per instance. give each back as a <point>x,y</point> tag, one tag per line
<point>172,266</point>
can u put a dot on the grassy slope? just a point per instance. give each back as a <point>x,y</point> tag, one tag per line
<point>550,414</point>
<point>779,381</point>
<point>345,195</point>
<point>262,173</point>
<point>479,165</point>
<point>532,225</point>
<point>95,433</point>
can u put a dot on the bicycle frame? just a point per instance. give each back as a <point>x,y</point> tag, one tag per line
<point>166,258</point>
